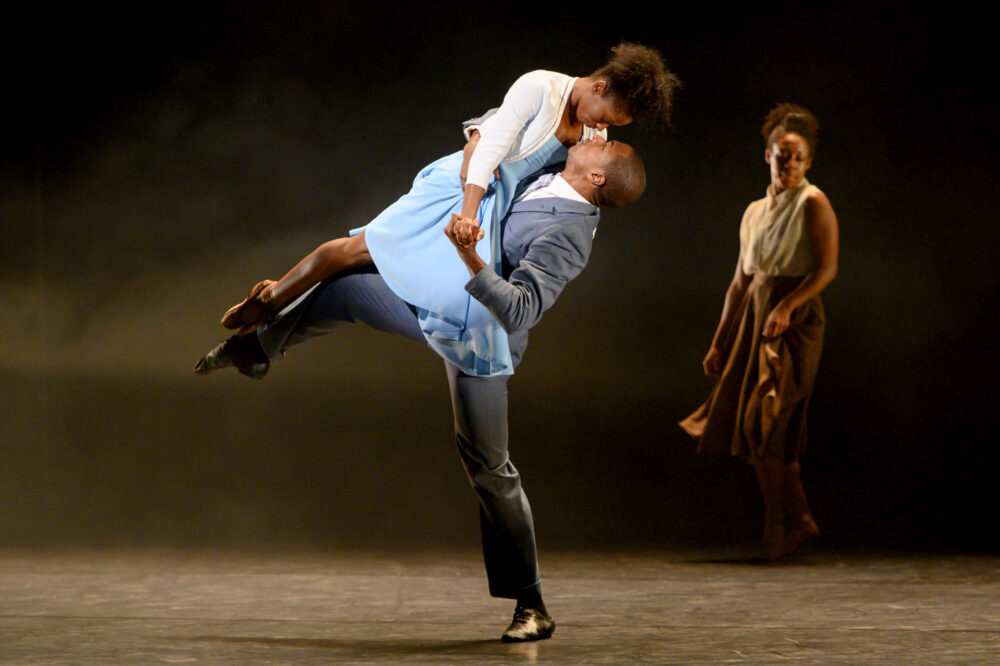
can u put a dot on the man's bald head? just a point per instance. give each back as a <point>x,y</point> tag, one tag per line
<point>606,173</point>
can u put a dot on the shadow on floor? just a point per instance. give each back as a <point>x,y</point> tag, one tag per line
<point>358,648</point>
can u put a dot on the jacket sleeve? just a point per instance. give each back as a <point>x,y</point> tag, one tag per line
<point>551,261</point>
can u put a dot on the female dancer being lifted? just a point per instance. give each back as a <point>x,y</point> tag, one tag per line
<point>542,115</point>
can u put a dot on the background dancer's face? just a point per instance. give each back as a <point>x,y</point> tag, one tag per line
<point>598,109</point>
<point>789,158</point>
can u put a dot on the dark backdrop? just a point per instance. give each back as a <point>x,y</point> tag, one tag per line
<point>158,161</point>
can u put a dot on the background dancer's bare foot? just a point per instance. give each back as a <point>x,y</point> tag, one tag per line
<point>805,529</point>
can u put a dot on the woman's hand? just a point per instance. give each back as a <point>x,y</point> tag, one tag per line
<point>464,232</point>
<point>713,362</point>
<point>778,320</point>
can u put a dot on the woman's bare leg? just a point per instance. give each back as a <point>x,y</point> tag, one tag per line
<point>800,518</point>
<point>769,477</point>
<point>268,297</point>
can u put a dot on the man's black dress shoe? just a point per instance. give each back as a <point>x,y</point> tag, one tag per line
<point>243,352</point>
<point>530,624</point>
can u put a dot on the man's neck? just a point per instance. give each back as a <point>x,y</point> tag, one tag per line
<point>579,183</point>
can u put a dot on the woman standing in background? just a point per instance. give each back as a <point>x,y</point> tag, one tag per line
<point>767,345</point>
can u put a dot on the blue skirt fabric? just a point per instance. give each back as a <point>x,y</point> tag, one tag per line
<point>419,263</point>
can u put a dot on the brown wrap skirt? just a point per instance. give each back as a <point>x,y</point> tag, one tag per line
<point>759,403</point>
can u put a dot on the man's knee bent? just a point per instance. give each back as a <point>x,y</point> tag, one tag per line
<point>501,477</point>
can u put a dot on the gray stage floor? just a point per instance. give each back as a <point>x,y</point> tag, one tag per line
<point>672,607</point>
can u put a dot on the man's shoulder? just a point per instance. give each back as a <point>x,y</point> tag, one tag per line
<point>554,207</point>
<point>552,215</point>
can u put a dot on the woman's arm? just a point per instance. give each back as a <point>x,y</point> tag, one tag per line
<point>824,239</point>
<point>473,193</point>
<point>712,362</point>
<point>520,105</point>
<point>467,150</point>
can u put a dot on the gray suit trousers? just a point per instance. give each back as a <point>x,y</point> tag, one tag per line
<point>479,405</point>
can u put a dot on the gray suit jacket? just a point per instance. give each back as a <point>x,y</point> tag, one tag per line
<point>546,243</point>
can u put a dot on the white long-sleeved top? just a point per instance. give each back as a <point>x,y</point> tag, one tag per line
<point>529,115</point>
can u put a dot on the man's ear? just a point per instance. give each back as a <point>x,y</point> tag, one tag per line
<point>600,85</point>
<point>596,177</point>
<point>767,155</point>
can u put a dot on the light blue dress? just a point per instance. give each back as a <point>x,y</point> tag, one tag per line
<point>419,263</point>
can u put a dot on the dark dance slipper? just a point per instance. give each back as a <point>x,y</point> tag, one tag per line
<point>530,624</point>
<point>242,352</point>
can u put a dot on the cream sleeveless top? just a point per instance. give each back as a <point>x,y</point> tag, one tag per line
<point>773,240</point>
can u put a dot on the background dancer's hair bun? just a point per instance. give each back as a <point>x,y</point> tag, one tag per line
<point>790,118</point>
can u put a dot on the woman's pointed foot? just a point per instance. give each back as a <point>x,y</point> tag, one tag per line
<point>252,311</point>
<point>805,529</point>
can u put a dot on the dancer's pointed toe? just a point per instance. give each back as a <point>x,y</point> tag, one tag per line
<point>242,352</point>
<point>217,358</point>
<point>805,529</point>
<point>252,311</point>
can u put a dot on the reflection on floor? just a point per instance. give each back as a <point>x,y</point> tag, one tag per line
<point>663,607</point>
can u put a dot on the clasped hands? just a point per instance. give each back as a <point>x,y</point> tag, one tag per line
<point>463,232</point>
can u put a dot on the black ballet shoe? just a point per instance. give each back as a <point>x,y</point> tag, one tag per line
<point>530,624</point>
<point>239,352</point>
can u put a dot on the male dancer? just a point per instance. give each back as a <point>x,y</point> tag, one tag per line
<point>547,237</point>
